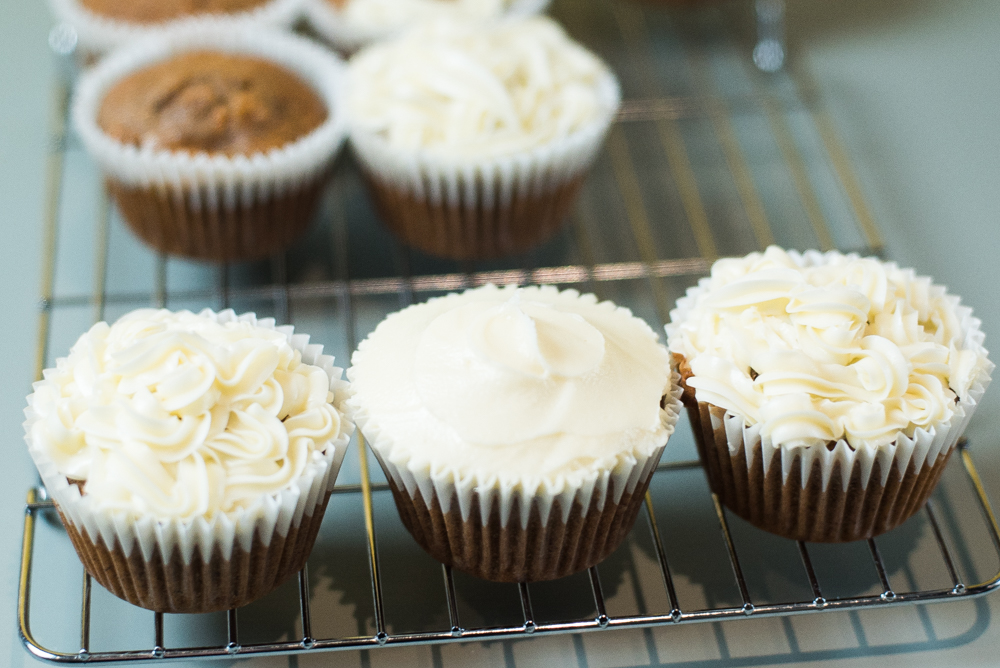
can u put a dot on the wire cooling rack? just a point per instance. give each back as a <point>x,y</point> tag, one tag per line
<point>710,156</point>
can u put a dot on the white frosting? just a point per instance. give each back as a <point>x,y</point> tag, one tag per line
<point>176,415</point>
<point>392,15</point>
<point>473,91</point>
<point>823,348</point>
<point>515,383</point>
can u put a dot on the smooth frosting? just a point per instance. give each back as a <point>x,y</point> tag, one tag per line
<point>178,415</point>
<point>465,91</point>
<point>389,15</point>
<point>512,382</point>
<point>818,351</point>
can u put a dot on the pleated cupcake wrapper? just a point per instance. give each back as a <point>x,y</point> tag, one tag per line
<point>170,585</point>
<point>152,542</point>
<point>198,204</point>
<point>331,24</point>
<point>509,505</point>
<point>561,536</point>
<point>98,34</point>
<point>815,493</point>
<point>477,208</point>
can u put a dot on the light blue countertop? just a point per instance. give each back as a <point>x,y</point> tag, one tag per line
<point>914,90</point>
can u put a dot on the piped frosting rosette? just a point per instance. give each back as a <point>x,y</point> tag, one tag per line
<point>519,427</point>
<point>98,34</point>
<point>191,457</point>
<point>216,206</point>
<point>827,391</point>
<point>352,24</point>
<point>476,139</point>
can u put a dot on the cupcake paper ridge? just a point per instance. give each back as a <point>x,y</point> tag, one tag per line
<point>273,512</point>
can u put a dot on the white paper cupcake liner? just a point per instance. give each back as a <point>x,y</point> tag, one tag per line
<point>466,208</point>
<point>98,34</point>
<point>508,530</point>
<point>273,513</point>
<point>220,181</point>
<point>922,449</point>
<point>346,37</point>
<point>213,206</point>
<point>444,482</point>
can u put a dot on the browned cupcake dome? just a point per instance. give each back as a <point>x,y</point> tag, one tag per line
<point>213,102</point>
<point>158,11</point>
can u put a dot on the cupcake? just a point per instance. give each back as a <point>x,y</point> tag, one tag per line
<point>518,427</point>
<point>351,24</point>
<point>190,457</point>
<point>826,391</point>
<point>214,144</point>
<point>103,25</point>
<point>475,140</point>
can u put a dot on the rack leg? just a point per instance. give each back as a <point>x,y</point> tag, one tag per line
<point>769,53</point>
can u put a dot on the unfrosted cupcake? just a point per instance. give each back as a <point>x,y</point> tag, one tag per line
<point>214,144</point>
<point>475,140</point>
<point>826,391</point>
<point>518,427</point>
<point>351,24</point>
<point>191,457</point>
<point>102,25</point>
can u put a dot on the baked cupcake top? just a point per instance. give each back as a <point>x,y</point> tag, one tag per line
<point>818,348</point>
<point>220,103</point>
<point>158,11</point>
<point>515,383</point>
<point>465,90</point>
<point>177,415</point>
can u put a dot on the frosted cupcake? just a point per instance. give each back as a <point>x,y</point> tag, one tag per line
<point>191,457</point>
<point>351,24</point>
<point>215,144</point>
<point>103,25</point>
<point>826,391</point>
<point>475,140</point>
<point>518,427</point>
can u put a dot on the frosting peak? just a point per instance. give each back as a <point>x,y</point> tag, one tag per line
<point>485,361</point>
<point>535,339</point>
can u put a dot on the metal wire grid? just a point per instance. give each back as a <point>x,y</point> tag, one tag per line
<point>456,632</point>
<point>665,114</point>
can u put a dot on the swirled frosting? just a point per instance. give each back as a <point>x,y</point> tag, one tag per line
<point>823,349</point>
<point>179,415</point>
<point>462,90</point>
<point>390,15</point>
<point>515,381</point>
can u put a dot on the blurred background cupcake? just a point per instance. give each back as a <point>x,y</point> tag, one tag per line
<point>351,24</point>
<point>102,25</point>
<point>475,139</point>
<point>214,143</point>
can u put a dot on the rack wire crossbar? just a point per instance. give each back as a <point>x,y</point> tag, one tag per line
<point>36,504</point>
